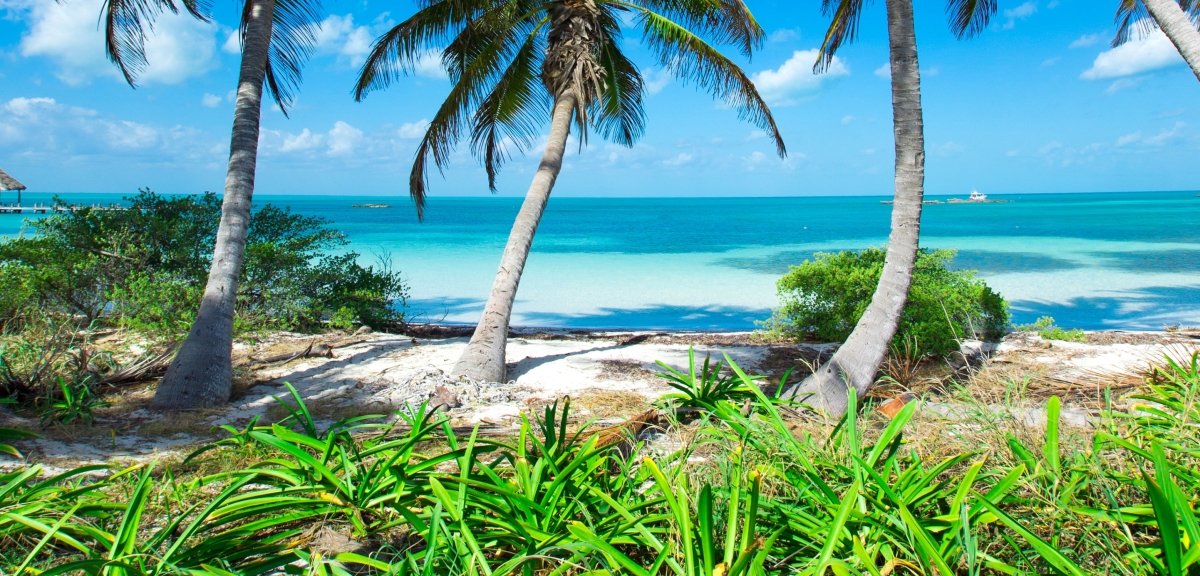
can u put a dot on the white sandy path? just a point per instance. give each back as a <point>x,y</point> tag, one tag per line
<point>386,371</point>
<point>389,371</point>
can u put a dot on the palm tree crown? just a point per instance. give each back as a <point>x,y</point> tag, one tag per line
<point>509,59</point>
<point>966,18</point>
<point>1132,16</point>
<point>293,37</point>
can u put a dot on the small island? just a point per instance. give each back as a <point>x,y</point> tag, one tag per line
<point>371,206</point>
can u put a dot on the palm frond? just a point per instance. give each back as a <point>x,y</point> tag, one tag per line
<point>969,17</point>
<point>1131,14</point>
<point>451,119</point>
<point>690,58</point>
<point>843,28</point>
<point>126,23</point>
<point>724,21</point>
<point>515,110</point>
<point>508,20</point>
<point>397,52</point>
<point>293,36</point>
<point>622,117</point>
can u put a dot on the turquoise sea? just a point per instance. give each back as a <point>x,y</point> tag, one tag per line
<point>1094,261</point>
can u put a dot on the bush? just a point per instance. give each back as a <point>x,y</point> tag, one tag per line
<point>145,268</point>
<point>1048,330</point>
<point>823,299</point>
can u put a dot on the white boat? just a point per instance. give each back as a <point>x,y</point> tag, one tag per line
<point>977,196</point>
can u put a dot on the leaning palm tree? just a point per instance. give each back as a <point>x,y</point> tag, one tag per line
<point>512,61</point>
<point>1176,18</point>
<point>857,361</point>
<point>277,36</point>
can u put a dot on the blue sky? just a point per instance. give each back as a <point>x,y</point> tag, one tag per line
<point>1037,103</point>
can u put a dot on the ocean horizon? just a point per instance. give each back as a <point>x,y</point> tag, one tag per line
<point>1099,260</point>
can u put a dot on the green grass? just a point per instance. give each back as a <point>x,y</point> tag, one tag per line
<point>1048,330</point>
<point>749,489</point>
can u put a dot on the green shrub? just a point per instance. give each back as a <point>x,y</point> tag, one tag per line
<point>823,299</point>
<point>1046,328</point>
<point>145,268</point>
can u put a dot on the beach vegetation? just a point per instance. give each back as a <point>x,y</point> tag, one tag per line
<point>276,37</point>
<point>512,62</point>
<point>1046,327</point>
<point>743,486</point>
<point>865,348</point>
<point>139,270</point>
<point>824,298</point>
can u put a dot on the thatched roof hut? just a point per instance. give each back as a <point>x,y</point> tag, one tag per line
<point>9,183</point>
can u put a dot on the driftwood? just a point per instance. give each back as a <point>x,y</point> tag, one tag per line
<point>313,350</point>
<point>145,368</point>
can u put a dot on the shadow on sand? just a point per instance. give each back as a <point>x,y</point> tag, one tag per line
<point>1146,309</point>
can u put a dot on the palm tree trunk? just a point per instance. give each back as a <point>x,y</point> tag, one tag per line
<point>1175,23</point>
<point>857,361</point>
<point>483,360</point>
<point>202,373</point>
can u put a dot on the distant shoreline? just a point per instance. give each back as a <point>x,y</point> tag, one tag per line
<point>403,195</point>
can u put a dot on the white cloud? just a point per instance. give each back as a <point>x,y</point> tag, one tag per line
<point>413,130</point>
<point>884,71</point>
<point>338,35</point>
<point>755,160</point>
<point>44,128</point>
<point>1087,40</point>
<point>179,47</point>
<point>795,77</point>
<point>1148,52</point>
<point>130,135</point>
<point>210,100</point>
<point>305,140</point>
<point>848,120</point>
<point>1162,138</point>
<point>784,35</point>
<point>681,159</point>
<point>656,79</point>
<point>1055,153</point>
<point>1121,84</point>
<point>430,65</point>
<point>949,149</point>
<point>233,43</point>
<point>1019,12</point>
<point>343,138</point>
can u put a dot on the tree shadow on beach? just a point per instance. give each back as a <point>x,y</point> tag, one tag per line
<point>304,379</point>
<point>437,310</point>
<point>529,363</point>
<point>1146,309</point>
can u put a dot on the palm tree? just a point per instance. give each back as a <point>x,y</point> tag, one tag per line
<point>1176,18</point>
<point>857,361</point>
<point>511,61</point>
<point>277,35</point>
